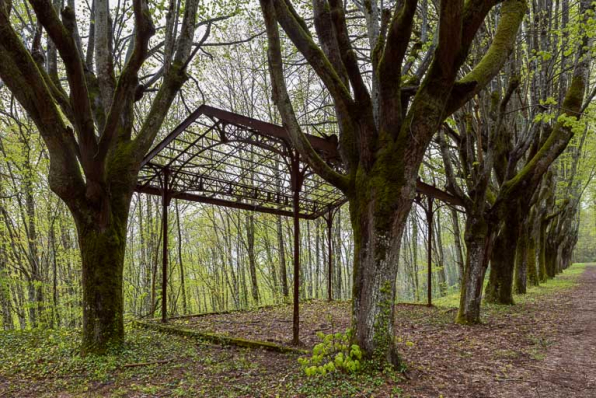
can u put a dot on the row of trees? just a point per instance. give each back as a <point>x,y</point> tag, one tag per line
<point>391,102</point>
<point>470,96</point>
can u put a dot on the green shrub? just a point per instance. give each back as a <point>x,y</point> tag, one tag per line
<point>333,354</point>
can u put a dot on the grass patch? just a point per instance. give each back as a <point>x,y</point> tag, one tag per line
<point>565,280</point>
<point>46,363</point>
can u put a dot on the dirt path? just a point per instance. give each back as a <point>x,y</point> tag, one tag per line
<point>569,368</point>
<point>542,347</point>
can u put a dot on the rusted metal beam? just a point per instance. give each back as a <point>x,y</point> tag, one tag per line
<point>297,185</point>
<point>327,147</point>
<point>221,202</point>
<point>164,265</point>
<point>434,192</point>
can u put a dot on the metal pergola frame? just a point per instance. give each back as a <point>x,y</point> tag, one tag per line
<point>226,159</point>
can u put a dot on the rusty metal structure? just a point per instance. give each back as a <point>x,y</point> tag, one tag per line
<point>225,159</point>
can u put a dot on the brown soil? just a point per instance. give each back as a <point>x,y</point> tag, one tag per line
<point>545,346</point>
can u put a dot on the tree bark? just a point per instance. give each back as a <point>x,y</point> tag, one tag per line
<point>531,261</point>
<point>182,282</point>
<point>477,239</point>
<point>378,211</point>
<point>102,255</point>
<point>458,249</point>
<point>500,285</point>
<point>250,237</point>
<point>415,257</point>
<point>442,272</point>
<point>542,275</point>
<point>521,261</point>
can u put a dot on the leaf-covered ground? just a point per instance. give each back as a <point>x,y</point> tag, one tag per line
<point>545,346</point>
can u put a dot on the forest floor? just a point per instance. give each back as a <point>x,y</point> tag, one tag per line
<point>544,346</point>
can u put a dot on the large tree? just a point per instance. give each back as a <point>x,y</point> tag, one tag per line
<point>386,125</point>
<point>82,101</point>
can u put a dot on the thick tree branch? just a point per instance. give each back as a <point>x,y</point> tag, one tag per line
<point>348,55</point>
<point>172,82</point>
<point>61,36</point>
<point>328,38</point>
<point>295,29</point>
<point>450,37</point>
<point>104,62</point>
<point>20,73</point>
<point>398,38</point>
<point>512,15</point>
<point>128,81</point>
<point>282,100</point>
<point>531,174</point>
<point>452,185</point>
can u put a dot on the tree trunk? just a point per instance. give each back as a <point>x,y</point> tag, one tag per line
<point>521,261</point>
<point>336,263</point>
<point>500,285</point>
<point>550,253</point>
<point>282,259</point>
<point>378,211</point>
<point>182,283</point>
<point>442,272</point>
<point>102,255</point>
<point>317,258</point>
<point>250,237</point>
<point>531,261</point>
<point>458,248</point>
<point>415,257</point>
<point>542,253</point>
<point>477,239</point>
<point>7,323</point>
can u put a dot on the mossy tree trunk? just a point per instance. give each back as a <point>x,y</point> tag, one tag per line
<point>384,134</point>
<point>500,284</point>
<point>521,260</point>
<point>102,255</point>
<point>531,261</point>
<point>542,274</point>
<point>101,229</point>
<point>379,206</point>
<point>94,152</point>
<point>478,240</point>
<point>551,253</point>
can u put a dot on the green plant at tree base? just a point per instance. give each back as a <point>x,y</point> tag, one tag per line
<point>334,353</point>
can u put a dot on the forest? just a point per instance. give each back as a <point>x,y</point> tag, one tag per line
<point>301,198</point>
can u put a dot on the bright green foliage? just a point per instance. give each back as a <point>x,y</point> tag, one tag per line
<point>334,353</point>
